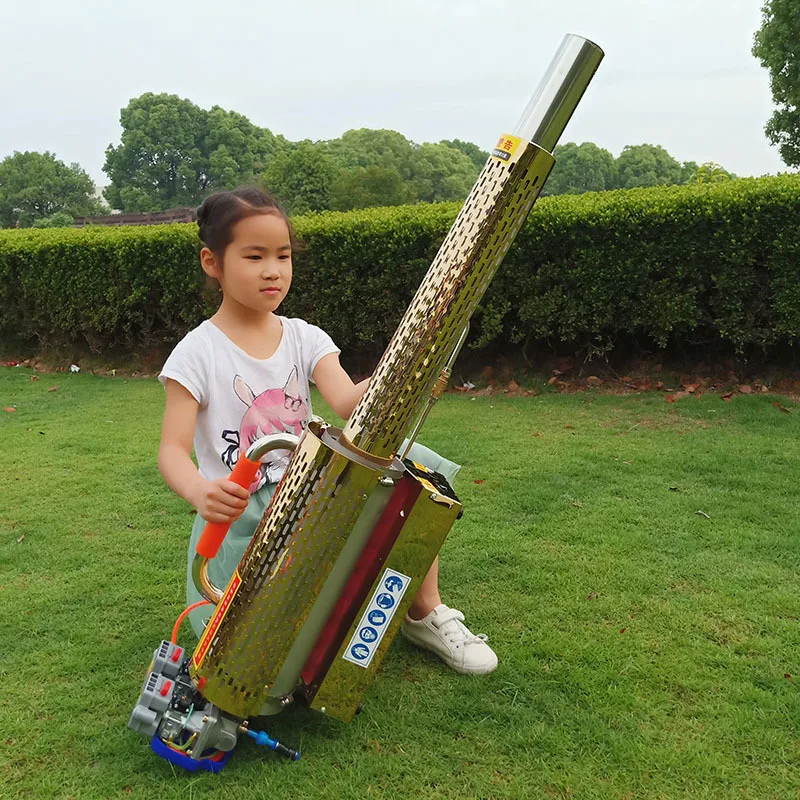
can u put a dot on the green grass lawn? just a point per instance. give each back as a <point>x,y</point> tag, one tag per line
<point>646,650</point>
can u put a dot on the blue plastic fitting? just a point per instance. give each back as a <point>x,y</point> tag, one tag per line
<point>263,738</point>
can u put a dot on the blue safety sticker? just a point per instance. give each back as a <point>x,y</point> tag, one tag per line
<point>376,617</point>
<point>359,652</point>
<point>373,625</point>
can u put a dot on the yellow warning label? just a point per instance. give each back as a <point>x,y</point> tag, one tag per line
<point>424,482</point>
<point>506,147</point>
<point>212,627</point>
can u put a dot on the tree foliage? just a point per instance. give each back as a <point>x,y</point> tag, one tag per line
<point>710,172</point>
<point>582,168</point>
<point>365,147</point>
<point>440,173</point>
<point>174,153</point>
<point>368,187</point>
<point>777,46</point>
<point>372,161</point>
<point>301,178</point>
<point>61,219</point>
<point>689,171</point>
<point>644,165</point>
<point>476,155</point>
<point>35,186</point>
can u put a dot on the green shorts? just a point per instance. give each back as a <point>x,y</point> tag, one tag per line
<point>241,532</point>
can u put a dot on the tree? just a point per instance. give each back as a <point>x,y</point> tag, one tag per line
<point>34,186</point>
<point>647,165</point>
<point>689,171</point>
<point>159,163</point>
<point>301,178</point>
<point>61,219</point>
<point>431,172</point>
<point>366,187</point>
<point>365,147</point>
<point>710,172</point>
<point>582,168</point>
<point>476,155</point>
<point>440,172</point>
<point>174,153</point>
<point>238,151</point>
<point>777,47</point>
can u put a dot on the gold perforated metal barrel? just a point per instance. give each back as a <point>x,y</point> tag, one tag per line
<point>258,622</point>
<point>470,255</point>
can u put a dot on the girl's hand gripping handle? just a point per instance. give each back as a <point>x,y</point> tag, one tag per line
<point>214,532</point>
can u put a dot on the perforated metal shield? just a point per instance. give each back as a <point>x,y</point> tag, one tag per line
<point>281,574</point>
<point>451,290</point>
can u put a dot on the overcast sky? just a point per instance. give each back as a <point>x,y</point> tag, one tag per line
<point>678,73</point>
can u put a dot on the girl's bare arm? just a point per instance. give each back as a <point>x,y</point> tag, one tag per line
<point>219,500</point>
<point>337,387</point>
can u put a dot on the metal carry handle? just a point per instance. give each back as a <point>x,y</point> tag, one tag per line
<point>214,533</point>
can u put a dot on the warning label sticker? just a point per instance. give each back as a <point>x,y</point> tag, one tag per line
<point>372,627</point>
<point>506,147</point>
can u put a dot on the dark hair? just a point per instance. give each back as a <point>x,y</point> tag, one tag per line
<point>219,212</point>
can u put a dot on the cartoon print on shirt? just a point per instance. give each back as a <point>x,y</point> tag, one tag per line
<point>273,411</point>
<point>231,453</point>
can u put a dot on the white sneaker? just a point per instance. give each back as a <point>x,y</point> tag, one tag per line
<point>444,633</point>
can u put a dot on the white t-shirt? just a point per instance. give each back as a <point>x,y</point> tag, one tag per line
<point>243,398</point>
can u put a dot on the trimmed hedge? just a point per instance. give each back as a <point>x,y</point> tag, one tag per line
<point>710,263</point>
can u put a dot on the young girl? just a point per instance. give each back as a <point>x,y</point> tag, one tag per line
<point>245,373</point>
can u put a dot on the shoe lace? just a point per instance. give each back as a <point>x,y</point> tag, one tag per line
<point>451,625</point>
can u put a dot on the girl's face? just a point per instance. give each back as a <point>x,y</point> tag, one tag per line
<point>256,271</point>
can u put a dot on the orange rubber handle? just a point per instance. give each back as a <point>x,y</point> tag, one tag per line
<point>215,532</point>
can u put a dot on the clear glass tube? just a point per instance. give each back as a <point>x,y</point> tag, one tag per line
<point>559,92</point>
